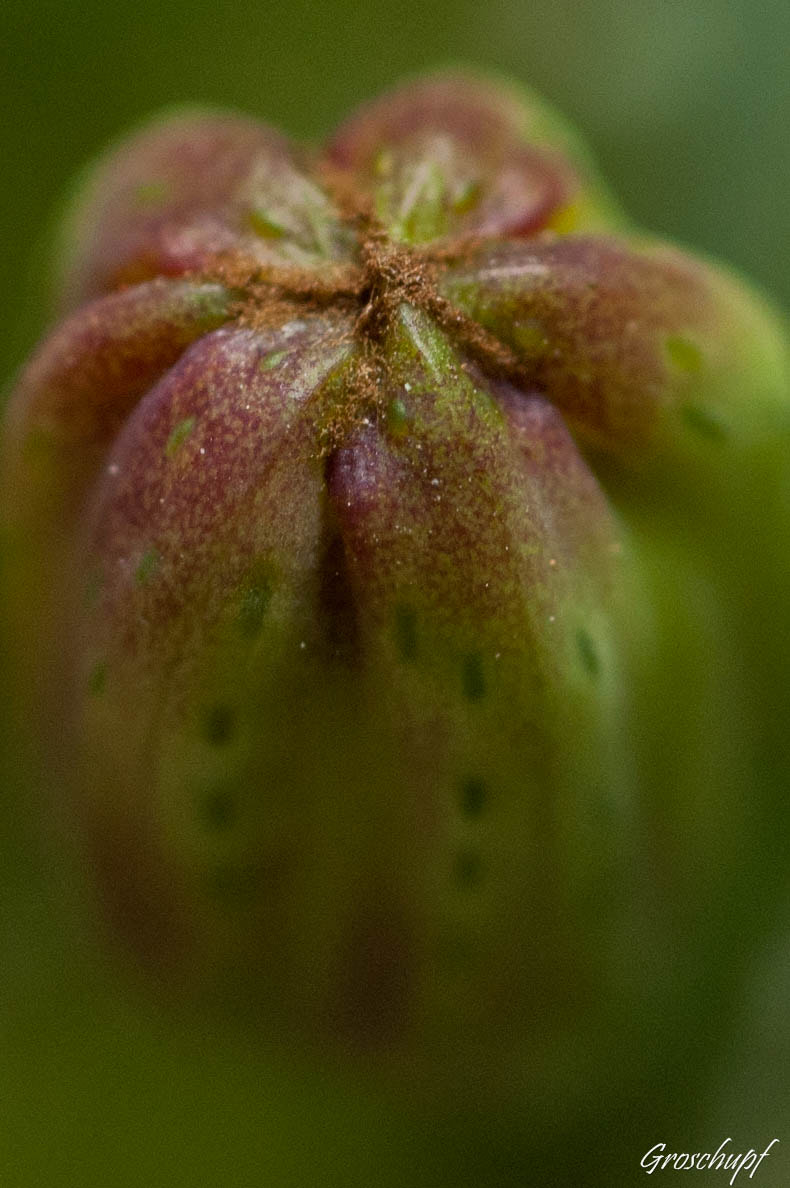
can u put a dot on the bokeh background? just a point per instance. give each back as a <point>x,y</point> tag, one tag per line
<point>686,104</point>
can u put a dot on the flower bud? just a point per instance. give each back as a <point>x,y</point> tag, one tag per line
<point>371,520</point>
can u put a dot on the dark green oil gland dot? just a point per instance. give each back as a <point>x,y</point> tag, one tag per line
<point>254,600</point>
<point>530,336</point>
<point>467,196</point>
<point>218,809</point>
<point>147,566</point>
<point>263,223</point>
<point>151,193</point>
<point>473,680</point>
<point>588,653</point>
<point>180,433</point>
<point>406,632</point>
<point>703,422</point>
<point>97,678</point>
<point>398,419</point>
<point>219,725</point>
<point>467,869</point>
<point>473,796</point>
<point>683,354</point>
<point>272,360</point>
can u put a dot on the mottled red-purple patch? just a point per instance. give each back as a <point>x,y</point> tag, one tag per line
<point>587,319</point>
<point>168,199</point>
<point>84,381</point>
<point>392,508</point>
<point>495,182</point>
<point>246,482</point>
<point>466,488</point>
<point>478,114</point>
<point>582,527</point>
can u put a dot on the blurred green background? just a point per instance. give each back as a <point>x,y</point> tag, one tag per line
<point>686,104</point>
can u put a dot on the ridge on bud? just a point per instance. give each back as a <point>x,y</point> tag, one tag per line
<point>338,512</point>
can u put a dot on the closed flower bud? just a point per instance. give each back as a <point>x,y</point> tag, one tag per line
<point>375,525</point>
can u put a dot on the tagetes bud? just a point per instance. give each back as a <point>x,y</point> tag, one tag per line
<point>365,517</point>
